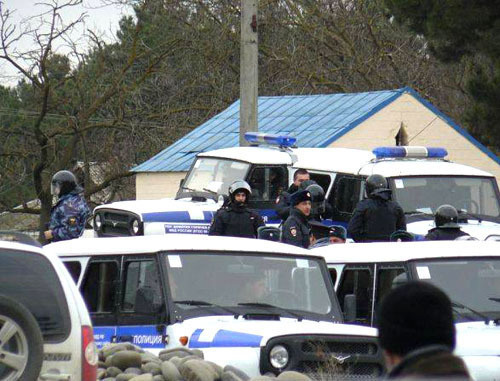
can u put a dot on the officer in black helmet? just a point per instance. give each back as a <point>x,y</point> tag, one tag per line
<point>236,219</point>
<point>378,216</point>
<point>68,216</point>
<point>447,228</point>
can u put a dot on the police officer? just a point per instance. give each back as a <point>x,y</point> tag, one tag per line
<point>376,217</point>
<point>296,229</point>
<point>68,216</point>
<point>282,207</point>
<point>447,228</point>
<point>320,209</point>
<point>236,219</point>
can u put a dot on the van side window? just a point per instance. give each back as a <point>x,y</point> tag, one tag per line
<point>322,180</point>
<point>267,183</point>
<point>358,281</point>
<point>74,268</point>
<point>387,279</point>
<point>345,196</point>
<point>99,286</point>
<point>141,281</point>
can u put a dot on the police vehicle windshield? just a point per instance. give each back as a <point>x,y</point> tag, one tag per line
<point>474,195</point>
<point>238,284</point>
<point>214,175</point>
<point>473,285</point>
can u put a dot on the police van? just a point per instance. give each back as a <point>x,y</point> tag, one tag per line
<point>421,180</point>
<point>260,306</point>
<point>467,271</point>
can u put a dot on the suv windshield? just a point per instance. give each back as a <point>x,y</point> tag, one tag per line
<point>235,283</point>
<point>476,195</point>
<point>473,283</point>
<point>214,175</point>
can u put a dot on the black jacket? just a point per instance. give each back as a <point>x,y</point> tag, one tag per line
<point>376,218</point>
<point>444,234</point>
<point>296,229</point>
<point>236,221</point>
<point>433,362</point>
<point>282,207</point>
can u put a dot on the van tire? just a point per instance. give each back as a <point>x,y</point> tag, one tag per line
<point>26,336</point>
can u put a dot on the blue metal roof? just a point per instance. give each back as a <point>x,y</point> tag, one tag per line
<point>315,120</point>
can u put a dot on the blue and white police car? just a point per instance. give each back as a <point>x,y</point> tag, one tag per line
<point>467,271</point>
<point>260,306</point>
<point>421,180</point>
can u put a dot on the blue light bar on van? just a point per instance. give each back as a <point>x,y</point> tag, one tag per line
<point>271,139</point>
<point>410,151</point>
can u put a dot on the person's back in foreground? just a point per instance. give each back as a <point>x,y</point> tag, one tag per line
<point>417,334</point>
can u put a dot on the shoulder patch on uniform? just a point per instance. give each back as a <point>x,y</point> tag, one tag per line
<point>72,221</point>
<point>293,231</point>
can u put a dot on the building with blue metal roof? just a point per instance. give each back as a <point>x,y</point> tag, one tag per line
<point>351,120</point>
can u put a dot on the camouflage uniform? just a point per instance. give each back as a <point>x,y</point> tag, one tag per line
<point>68,216</point>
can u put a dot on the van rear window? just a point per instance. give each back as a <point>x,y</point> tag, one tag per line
<point>30,279</point>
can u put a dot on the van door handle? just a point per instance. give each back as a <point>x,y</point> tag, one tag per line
<point>55,377</point>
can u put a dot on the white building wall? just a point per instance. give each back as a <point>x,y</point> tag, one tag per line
<point>156,185</point>
<point>423,127</point>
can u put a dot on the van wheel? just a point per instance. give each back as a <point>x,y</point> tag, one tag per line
<point>21,342</point>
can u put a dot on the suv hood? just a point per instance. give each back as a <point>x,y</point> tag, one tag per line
<point>480,230</point>
<point>220,331</point>
<point>477,339</point>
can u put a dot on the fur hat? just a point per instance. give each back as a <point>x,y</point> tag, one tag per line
<point>299,196</point>
<point>415,315</point>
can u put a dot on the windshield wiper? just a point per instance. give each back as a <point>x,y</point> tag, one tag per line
<point>266,305</point>
<point>419,212</point>
<point>455,304</point>
<point>206,304</point>
<point>189,189</point>
<point>193,302</point>
<point>462,212</point>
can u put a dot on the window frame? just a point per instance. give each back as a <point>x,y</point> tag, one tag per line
<point>111,317</point>
<point>342,215</point>
<point>130,317</point>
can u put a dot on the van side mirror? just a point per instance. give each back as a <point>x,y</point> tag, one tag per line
<point>181,182</point>
<point>350,308</point>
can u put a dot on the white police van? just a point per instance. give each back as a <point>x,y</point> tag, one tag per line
<point>258,305</point>
<point>468,271</point>
<point>420,178</point>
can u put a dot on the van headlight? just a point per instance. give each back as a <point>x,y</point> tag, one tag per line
<point>97,221</point>
<point>278,357</point>
<point>135,226</point>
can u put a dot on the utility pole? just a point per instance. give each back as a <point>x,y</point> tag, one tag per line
<point>248,69</point>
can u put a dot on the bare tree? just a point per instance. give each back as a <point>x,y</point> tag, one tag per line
<point>73,111</point>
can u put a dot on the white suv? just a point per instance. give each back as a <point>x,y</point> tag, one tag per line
<point>45,329</point>
<point>257,305</point>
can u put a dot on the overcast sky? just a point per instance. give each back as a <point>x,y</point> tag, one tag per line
<point>101,18</point>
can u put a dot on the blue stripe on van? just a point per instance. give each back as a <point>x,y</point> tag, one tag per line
<point>178,216</point>
<point>225,339</point>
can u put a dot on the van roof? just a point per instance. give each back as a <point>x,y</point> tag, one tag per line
<point>169,242</point>
<point>344,160</point>
<point>14,245</point>
<point>406,251</point>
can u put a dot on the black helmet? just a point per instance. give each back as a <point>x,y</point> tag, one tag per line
<point>401,236</point>
<point>375,183</point>
<point>317,199</point>
<point>446,217</point>
<point>239,186</point>
<point>304,184</point>
<point>62,183</point>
